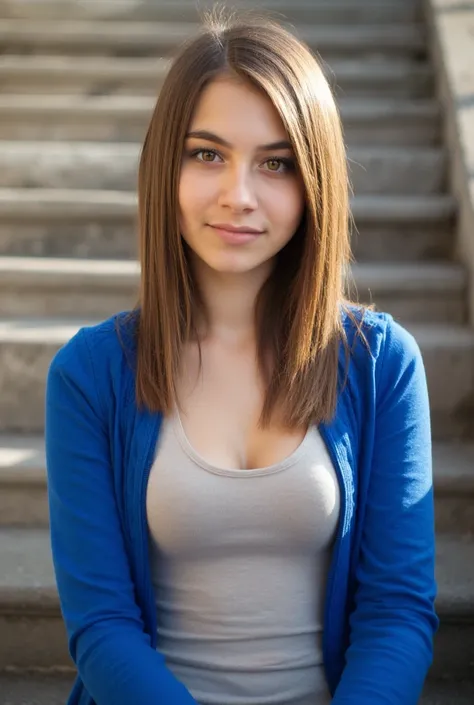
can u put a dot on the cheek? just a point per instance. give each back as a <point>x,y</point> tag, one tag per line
<point>299,204</point>
<point>185,196</point>
<point>289,206</point>
<point>194,195</point>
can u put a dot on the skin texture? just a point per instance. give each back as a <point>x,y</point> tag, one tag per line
<point>239,184</point>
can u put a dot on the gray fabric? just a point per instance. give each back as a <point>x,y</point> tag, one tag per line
<point>239,562</point>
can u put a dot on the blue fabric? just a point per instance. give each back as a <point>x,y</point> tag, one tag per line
<point>379,615</point>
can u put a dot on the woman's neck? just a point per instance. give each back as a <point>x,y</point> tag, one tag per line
<point>229,299</point>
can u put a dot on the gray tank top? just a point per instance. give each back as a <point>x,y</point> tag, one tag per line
<point>239,560</point>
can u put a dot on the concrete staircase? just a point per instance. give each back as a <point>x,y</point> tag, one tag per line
<point>78,82</point>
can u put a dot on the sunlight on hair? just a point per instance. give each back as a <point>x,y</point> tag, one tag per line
<point>298,310</point>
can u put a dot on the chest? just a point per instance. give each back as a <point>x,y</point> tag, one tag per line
<point>221,402</point>
<point>195,509</point>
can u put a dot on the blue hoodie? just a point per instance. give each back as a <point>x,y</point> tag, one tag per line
<point>379,613</point>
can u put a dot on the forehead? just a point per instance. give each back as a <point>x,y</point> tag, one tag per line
<point>238,112</point>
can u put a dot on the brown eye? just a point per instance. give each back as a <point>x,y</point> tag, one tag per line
<point>204,155</point>
<point>273,164</point>
<point>280,165</point>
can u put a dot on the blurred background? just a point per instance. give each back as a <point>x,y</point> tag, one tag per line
<point>78,81</point>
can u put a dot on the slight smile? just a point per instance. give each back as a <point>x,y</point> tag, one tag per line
<point>236,235</point>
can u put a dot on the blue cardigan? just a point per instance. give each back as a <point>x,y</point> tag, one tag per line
<point>379,614</point>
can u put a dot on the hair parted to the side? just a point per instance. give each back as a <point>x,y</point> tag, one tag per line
<point>298,311</point>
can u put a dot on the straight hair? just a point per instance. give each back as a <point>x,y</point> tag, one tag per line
<point>299,310</point>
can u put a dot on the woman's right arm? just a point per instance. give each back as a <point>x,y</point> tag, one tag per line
<point>107,642</point>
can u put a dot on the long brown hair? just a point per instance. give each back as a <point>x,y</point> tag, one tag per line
<point>298,312</point>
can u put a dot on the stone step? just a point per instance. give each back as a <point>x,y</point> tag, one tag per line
<point>450,349</point>
<point>39,689</point>
<point>73,288</point>
<point>454,647</point>
<point>419,292</point>
<point>27,347</point>
<point>23,498</point>
<point>33,634</point>
<point>397,170</point>
<point>161,38</point>
<point>26,688</point>
<point>119,118</point>
<point>26,350</point>
<point>373,242</point>
<point>453,474</point>
<point>92,165</point>
<point>32,286</point>
<point>321,12</point>
<point>102,75</point>
<point>97,224</point>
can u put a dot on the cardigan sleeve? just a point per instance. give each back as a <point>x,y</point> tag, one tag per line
<point>393,621</point>
<point>106,637</point>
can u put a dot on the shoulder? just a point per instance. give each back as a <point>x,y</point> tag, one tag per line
<point>96,352</point>
<point>103,339</point>
<point>377,335</point>
<point>384,336</point>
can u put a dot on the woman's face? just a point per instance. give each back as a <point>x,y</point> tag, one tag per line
<point>238,173</point>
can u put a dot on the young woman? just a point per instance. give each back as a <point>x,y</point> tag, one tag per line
<point>240,468</point>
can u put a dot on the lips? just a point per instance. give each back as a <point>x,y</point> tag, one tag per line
<point>245,229</point>
<point>236,235</point>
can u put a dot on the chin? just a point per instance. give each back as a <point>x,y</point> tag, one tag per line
<point>235,265</point>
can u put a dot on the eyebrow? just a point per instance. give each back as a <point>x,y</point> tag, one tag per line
<point>211,137</point>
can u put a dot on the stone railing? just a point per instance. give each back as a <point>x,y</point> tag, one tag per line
<point>451,23</point>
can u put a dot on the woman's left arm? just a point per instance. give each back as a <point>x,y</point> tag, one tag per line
<point>393,623</point>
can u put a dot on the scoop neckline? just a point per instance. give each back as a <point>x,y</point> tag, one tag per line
<point>237,472</point>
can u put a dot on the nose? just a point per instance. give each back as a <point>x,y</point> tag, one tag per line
<point>237,190</point>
